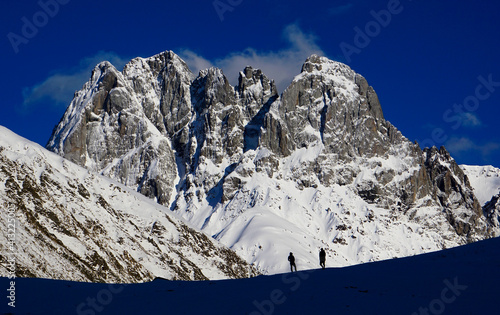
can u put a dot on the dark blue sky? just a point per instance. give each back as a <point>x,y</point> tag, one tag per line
<point>434,64</point>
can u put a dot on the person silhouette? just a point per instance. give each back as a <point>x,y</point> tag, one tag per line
<point>291,259</point>
<point>322,258</point>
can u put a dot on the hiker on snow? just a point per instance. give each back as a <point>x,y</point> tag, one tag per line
<point>322,258</point>
<point>291,259</point>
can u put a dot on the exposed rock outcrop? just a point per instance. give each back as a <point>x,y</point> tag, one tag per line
<point>492,211</point>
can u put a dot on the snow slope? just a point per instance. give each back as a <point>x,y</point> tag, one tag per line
<point>270,217</point>
<point>462,280</point>
<point>485,180</point>
<point>74,224</point>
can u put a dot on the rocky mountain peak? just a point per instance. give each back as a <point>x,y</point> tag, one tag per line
<point>320,64</point>
<point>102,70</point>
<point>211,87</point>
<point>330,103</point>
<point>255,88</point>
<point>314,62</point>
<point>166,61</point>
<point>223,157</point>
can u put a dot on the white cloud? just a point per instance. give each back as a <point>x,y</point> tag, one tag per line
<point>280,66</point>
<point>60,86</point>
<point>471,120</point>
<point>463,145</point>
<point>459,145</point>
<point>194,61</point>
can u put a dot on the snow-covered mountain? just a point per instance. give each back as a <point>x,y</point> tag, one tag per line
<point>485,180</point>
<point>76,225</point>
<point>266,174</point>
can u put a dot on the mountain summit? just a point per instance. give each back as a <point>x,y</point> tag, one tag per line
<point>266,174</point>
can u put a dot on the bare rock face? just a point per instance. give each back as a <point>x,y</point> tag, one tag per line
<point>454,192</point>
<point>492,211</point>
<point>214,153</point>
<point>330,102</point>
<point>256,94</point>
<point>108,127</point>
<point>331,105</point>
<point>219,130</point>
<point>162,86</point>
